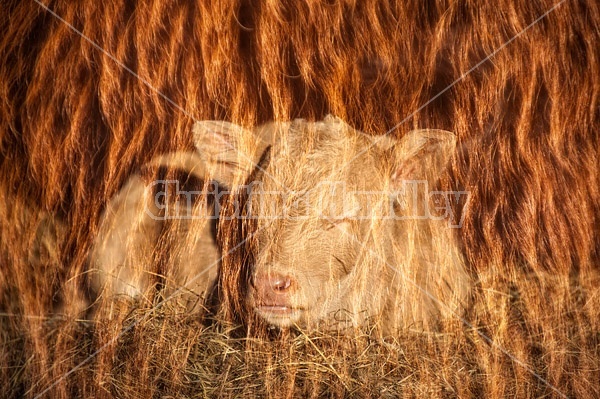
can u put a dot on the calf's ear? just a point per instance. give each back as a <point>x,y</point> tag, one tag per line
<point>422,155</point>
<point>228,151</point>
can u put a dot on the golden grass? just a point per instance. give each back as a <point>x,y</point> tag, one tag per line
<point>527,337</point>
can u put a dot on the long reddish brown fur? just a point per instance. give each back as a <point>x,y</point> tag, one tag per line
<point>74,122</point>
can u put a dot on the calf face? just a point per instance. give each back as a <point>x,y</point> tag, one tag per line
<point>340,229</point>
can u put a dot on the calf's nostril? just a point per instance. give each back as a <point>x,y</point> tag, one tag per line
<point>281,283</point>
<point>270,286</point>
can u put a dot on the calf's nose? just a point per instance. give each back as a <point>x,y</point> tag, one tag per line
<point>280,283</point>
<point>273,287</point>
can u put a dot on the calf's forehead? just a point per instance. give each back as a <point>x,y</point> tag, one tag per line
<point>306,155</point>
<point>317,172</point>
